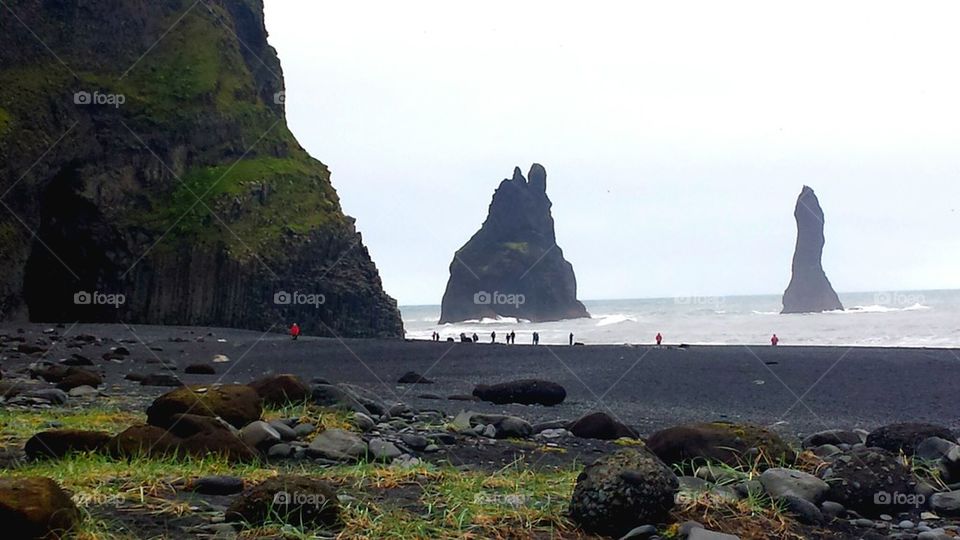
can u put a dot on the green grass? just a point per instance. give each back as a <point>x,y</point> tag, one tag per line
<point>300,199</point>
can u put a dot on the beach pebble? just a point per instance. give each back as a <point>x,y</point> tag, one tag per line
<point>831,509</point>
<point>384,450</point>
<point>643,532</point>
<point>363,421</point>
<point>305,429</point>
<point>704,534</point>
<point>286,432</point>
<point>280,450</point>
<point>946,504</point>
<point>780,482</point>
<point>82,391</point>
<point>414,441</point>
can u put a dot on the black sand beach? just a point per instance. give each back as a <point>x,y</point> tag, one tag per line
<point>796,390</point>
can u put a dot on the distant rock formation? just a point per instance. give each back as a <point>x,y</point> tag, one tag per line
<point>809,290</point>
<point>149,177</point>
<point>512,266</point>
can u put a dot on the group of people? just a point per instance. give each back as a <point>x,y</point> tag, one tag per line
<point>511,337</point>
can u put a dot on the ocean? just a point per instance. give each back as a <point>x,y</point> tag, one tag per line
<point>883,319</point>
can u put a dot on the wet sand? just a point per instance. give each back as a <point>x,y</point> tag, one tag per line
<point>797,390</point>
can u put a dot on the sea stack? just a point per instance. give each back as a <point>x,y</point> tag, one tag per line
<point>150,177</point>
<point>809,290</point>
<point>512,266</point>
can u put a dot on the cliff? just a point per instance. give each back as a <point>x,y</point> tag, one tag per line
<point>145,157</point>
<point>512,266</point>
<point>809,290</point>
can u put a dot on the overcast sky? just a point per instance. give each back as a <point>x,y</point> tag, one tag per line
<point>676,135</point>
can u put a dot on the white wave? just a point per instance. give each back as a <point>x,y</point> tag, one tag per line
<point>499,320</point>
<point>878,308</point>
<point>755,312</point>
<point>614,319</point>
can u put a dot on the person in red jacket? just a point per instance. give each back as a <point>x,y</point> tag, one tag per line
<point>774,340</point>
<point>295,331</point>
<point>659,338</point>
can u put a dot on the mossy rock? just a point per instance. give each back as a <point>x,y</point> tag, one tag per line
<point>238,404</point>
<point>297,500</point>
<point>35,507</point>
<point>191,435</point>
<point>57,443</point>
<point>280,390</point>
<point>736,445</point>
<point>623,490</point>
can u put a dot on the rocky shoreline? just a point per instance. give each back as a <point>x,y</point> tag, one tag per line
<point>298,440</point>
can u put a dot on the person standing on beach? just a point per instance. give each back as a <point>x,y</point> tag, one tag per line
<point>659,339</point>
<point>476,338</point>
<point>493,336</point>
<point>513,337</point>
<point>571,338</point>
<point>536,338</point>
<point>295,331</point>
<point>774,340</point>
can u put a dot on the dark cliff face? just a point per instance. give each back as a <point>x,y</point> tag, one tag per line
<point>144,153</point>
<point>809,290</point>
<point>512,266</point>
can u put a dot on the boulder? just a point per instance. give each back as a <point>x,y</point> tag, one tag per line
<point>157,379</point>
<point>904,437</point>
<point>143,440</point>
<point>238,404</point>
<point>512,266</point>
<point>524,392</point>
<point>76,376</point>
<point>870,481</point>
<point>35,507</point>
<point>57,443</point>
<point>383,450</point>
<point>280,390</point>
<point>733,444</point>
<point>809,290</point>
<point>831,436</point>
<point>189,435</point>
<point>338,445</point>
<point>946,504</point>
<point>200,369</point>
<point>412,377</point>
<point>779,482</point>
<point>623,490</point>
<point>260,435</point>
<point>512,427</point>
<point>934,448</point>
<point>600,425</point>
<point>53,396</point>
<point>297,500</point>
